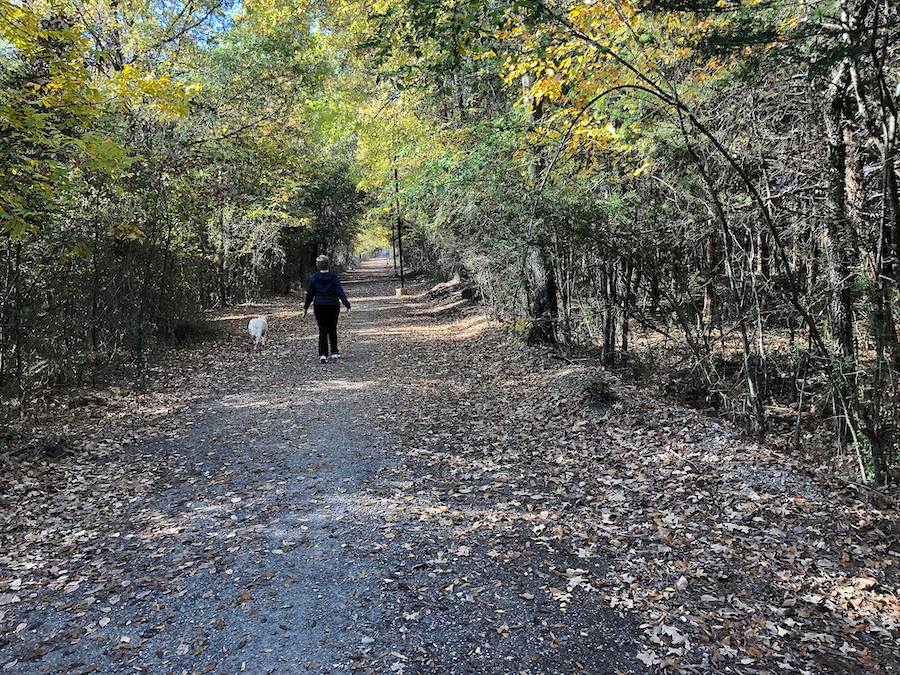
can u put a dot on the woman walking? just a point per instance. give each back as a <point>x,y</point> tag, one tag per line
<point>324,292</point>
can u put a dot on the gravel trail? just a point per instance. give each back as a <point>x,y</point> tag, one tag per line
<point>275,520</point>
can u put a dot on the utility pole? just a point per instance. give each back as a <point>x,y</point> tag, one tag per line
<point>394,246</point>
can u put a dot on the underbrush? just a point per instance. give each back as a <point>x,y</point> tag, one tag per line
<point>794,388</point>
<point>192,330</point>
<point>85,386</point>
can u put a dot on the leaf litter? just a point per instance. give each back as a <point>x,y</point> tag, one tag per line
<point>513,525</point>
<point>731,557</point>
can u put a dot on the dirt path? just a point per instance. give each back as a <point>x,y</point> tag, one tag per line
<point>266,524</point>
<point>443,500</point>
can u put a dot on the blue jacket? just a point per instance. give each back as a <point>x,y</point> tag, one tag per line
<point>324,288</point>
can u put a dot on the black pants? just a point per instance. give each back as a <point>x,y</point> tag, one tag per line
<point>327,318</point>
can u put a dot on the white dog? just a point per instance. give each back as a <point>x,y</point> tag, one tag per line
<point>258,328</point>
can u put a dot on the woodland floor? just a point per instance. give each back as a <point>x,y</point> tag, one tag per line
<point>443,500</point>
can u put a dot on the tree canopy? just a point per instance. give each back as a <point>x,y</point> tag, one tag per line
<point>720,176</point>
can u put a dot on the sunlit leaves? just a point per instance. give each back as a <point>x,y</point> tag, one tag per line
<point>54,94</point>
<point>167,96</point>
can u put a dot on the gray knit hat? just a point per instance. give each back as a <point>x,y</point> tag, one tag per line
<point>322,262</point>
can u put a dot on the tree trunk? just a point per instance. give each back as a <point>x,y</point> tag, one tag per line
<point>709,291</point>
<point>223,286</point>
<point>17,326</point>
<point>95,296</point>
<point>887,256</point>
<point>539,278</point>
<point>164,314</point>
<point>853,179</point>
<point>4,312</point>
<point>542,307</point>
<point>835,246</point>
<point>627,295</point>
<point>883,330</point>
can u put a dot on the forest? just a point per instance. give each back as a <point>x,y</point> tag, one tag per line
<point>698,193</point>
<point>442,337</point>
